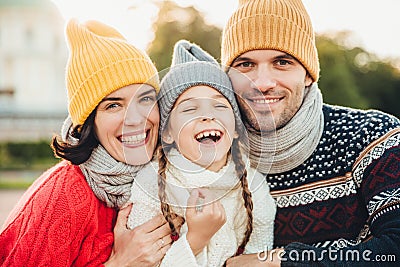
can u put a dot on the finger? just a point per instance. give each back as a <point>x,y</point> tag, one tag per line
<point>166,240</point>
<point>152,224</point>
<point>159,244</point>
<point>192,202</point>
<point>160,232</point>
<point>122,217</point>
<point>160,253</point>
<point>221,210</point>
<point>210,204</point>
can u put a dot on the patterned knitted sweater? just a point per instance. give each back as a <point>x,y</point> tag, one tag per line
<point>58,222</point>
<point>345,197</point>
<point>223,185</point>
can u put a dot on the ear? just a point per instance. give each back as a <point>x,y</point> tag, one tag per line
<point>166,137</point>
<point>235,135</point>
<point>308,80</point>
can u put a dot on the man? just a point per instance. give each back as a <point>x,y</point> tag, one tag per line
<point>333,171</point>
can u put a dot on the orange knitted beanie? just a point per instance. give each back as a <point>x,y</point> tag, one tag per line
<point>271,24</point>
<point>100,62</point>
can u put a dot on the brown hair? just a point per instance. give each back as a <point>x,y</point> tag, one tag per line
<point>87,141</point>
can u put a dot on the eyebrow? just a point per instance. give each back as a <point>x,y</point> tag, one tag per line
<point>215,96</point>
<point>147,92</point>
<point>282,56</point>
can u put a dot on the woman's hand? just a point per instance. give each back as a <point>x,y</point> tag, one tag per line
<point>203,220</point>
<point>143,246</point>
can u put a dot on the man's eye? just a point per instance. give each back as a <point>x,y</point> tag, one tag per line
<point>283,62</point>
<point>245,64</point>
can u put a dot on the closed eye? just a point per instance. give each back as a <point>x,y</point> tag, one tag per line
<point>221,106</point>
<point>189,109</point>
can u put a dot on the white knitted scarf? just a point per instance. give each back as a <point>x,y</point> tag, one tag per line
<point>290,146</point>
<point>109,179</point>
<point>184,175</point>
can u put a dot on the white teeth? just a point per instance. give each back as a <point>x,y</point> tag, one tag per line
<point>208,133</point>
<point>265,101</point>
<point>133,139</point>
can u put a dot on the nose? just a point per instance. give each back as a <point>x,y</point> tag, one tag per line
<point>264,79</point>
<point>134,116</point>
<point>206,118</point>
<point>207,113</point>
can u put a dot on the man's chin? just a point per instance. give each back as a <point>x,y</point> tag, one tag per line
<point>262,125</point>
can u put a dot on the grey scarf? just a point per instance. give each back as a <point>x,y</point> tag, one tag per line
<point>110,180</point>
<point>291,145</point>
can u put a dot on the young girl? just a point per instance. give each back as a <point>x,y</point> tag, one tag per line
<point>200,174</point>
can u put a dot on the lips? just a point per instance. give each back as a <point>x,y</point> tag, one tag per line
<point>134,139</point>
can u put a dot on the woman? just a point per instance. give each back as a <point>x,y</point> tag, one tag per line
<point>67,217</point>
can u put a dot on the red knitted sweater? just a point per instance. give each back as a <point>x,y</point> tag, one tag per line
<point>58,222</point>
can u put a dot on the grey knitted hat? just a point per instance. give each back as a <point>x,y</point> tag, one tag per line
<point>192,66</point>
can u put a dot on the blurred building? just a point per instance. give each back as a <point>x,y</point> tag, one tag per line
<point>33,54</point>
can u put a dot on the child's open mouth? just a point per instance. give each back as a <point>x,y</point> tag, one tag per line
<point>208,136</point>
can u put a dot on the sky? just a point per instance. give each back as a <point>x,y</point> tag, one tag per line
<point>375,24</point>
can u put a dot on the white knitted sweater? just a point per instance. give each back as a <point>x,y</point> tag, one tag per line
<point>182,176</point>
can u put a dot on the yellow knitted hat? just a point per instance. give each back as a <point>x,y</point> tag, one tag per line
<point>100,62</point>
<point>271,24</point>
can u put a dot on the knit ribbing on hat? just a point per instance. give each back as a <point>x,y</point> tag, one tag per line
<point>101,61</point>
<point>184,52</point>
<point>282,25</point>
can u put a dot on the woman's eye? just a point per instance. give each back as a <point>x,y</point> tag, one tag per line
<point>112,106</point>
<point>148,99</point>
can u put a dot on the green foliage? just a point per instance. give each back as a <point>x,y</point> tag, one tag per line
<point>23,155</point>
<point>14,184</point>
<point>351,76</point>
<point>175,23</point>
<point>337,82</point>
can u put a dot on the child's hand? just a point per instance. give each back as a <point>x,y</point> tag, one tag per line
<point>204,220</point>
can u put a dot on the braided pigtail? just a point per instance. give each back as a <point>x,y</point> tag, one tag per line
<point>162,180</point>
<point>248,202</point>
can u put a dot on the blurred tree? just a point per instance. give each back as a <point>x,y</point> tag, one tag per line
<point>337,83</point>
<point>355,78</point>
<point>378,80</point>
<point>174,23</point>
